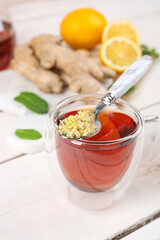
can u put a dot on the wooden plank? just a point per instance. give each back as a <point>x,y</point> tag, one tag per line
<point>150,231</point>
<point>113,9</point>
<point>6,151</point>
<point>33,206</point>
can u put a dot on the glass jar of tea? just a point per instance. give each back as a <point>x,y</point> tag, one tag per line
<point>7,41</point>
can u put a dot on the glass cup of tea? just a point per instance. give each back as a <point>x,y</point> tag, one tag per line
<point>95,172</point>
<point>7,39</point>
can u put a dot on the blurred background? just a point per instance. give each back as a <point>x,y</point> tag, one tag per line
<point>34,17</point>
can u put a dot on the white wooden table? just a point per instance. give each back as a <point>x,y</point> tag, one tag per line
<point>31,204</point>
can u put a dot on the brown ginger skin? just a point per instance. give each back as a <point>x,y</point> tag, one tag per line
<point>46,61</point>
<point>25,63</point>
<point>81,72</point>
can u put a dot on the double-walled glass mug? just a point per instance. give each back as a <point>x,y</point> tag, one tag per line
<point>95,174</point>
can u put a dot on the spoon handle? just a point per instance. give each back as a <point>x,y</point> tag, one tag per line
<point>124,82</point>
<point>129,78</point>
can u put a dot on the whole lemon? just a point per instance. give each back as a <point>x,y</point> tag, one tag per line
<point>83,28</point>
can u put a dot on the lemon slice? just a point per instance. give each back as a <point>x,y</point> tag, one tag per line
<point>119,53</point>
<point>123,28</point>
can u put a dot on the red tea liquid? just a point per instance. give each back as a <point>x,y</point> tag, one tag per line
<point>97,167</point>
<point>7,43</point>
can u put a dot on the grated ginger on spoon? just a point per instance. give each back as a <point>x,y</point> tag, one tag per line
<point>78,126</point>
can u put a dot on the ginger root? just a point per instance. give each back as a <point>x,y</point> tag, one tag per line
<point>47,62</point>
<point>25,63</point>
<point>80,71</point>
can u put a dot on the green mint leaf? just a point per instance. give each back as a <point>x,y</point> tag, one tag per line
<point>147,51</point>
<point>154,53</point>
<point>32,102</point>
<point>29,134</point>
<point>130,90</point>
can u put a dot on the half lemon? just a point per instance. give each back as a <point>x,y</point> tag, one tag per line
<point>119,53</point>
<point>121,28</point>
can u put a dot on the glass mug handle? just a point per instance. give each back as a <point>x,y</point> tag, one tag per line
<point>151,140</point>
<point>151,118</point>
